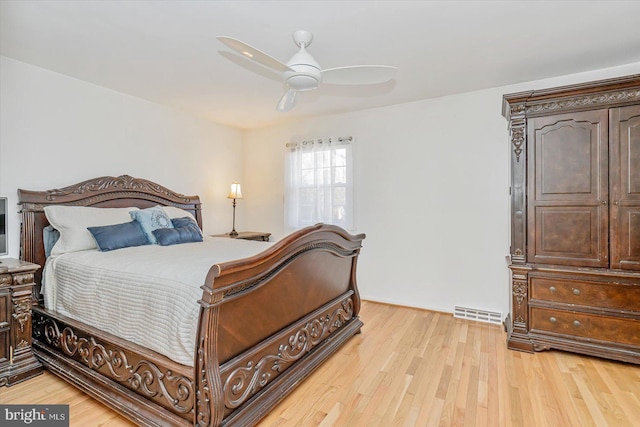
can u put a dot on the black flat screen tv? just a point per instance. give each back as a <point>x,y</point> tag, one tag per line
<point>3,226</point>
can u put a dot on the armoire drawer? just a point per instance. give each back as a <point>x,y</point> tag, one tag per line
<point>603,328</point>
<point>596,294</point>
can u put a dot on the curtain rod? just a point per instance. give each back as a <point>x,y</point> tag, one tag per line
<point>344,139</point>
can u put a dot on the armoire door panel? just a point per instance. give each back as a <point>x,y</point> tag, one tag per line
<point>570,155</point>
<point>632,229</point>
<point>569,235</point>
<point>572,175</point>
<point>633,159</point>
<point>568,210</point>
<point>625,187</point>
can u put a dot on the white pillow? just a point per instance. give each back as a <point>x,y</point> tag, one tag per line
<point>174,212</point>
<point>72,223</point>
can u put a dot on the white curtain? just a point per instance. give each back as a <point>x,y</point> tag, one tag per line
<point>319,183</point>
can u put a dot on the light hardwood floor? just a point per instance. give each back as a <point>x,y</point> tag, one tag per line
<point>413,367</point>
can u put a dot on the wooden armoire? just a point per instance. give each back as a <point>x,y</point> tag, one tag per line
<point>575,219</point>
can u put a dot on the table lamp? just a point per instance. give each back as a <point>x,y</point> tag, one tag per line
<point>234,193</point>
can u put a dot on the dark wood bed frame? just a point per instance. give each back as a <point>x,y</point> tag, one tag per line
<point>266,322</point>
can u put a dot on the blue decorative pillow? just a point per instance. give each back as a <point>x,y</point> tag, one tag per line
<point>110,237</point>
<point>196,232</point>
<point>181,222</point>
<point>50,236</point>
<point>152,219</point>
<point>173,236</point>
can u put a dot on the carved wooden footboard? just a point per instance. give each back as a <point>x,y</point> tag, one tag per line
<point>271,319</point>
<point>265,324</point>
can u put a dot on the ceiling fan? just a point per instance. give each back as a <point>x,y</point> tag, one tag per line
<point>302,73</point>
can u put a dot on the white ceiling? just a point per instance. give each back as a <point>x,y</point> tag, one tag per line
<point>166,51</point>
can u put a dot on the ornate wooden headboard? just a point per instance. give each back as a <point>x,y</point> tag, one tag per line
<point>105,192</point>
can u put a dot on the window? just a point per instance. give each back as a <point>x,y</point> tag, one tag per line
<point>319,183</point>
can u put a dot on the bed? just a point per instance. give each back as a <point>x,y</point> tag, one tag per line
<point>263,322</point>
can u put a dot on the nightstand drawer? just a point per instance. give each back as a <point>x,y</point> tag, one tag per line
<point>602,328</point>
<point>617,296</point>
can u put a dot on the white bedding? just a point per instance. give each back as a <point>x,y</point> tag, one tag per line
<point>122,291</point>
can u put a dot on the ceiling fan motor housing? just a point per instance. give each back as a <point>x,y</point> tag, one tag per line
<point>306,74</point>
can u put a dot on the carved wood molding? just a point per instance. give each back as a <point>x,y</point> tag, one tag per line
<point>23,279</point>
<point>517,257</point>
<point>520,295</point>
<point>245,381</point>
<point>517,139</point>
<point>594,100</point>
<point>203,390</point>
<point>22,311</point>
<point>104,189</point>
<point>122,182</point>
<point>606,93</point>
<point>100,198</point>
<point>175,392</point>
<point>209,404</point>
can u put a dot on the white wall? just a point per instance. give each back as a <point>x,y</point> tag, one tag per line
<point>432,193</point>
<point>56,130</point>
<point>432,175</point>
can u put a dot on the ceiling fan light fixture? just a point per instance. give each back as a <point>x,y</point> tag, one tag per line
<point>302,83</point>
<point>305,77</point>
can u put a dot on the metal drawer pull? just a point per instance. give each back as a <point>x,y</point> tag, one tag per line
<point>553,319</point>
<point>552,288</point>
<point>576,323</point>
<point>576,291</point>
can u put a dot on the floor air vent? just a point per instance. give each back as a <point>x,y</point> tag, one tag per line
<point>478,315</point>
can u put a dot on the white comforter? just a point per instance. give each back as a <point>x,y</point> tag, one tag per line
<point>145,294</point>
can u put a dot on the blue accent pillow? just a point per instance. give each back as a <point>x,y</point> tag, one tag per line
<point>117,236</point>
<point>50,236</point>
<point>173,236</point>
<point>151,219</point>
<point>181,222</point>
<point>188,222</point>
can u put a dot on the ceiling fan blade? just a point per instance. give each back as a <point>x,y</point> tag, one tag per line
<point>287,101</point>
<point>253,53</point>
<point>358,75</point>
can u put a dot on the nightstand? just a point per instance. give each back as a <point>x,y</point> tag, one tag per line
<point>248,235</point>
<point>17,361</point>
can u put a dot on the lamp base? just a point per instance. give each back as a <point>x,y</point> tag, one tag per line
<point>233,233</point>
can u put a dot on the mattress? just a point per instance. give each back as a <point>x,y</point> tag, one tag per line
<point>145,294</point>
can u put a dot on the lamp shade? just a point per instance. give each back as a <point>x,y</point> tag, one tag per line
<point>235,192</point>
